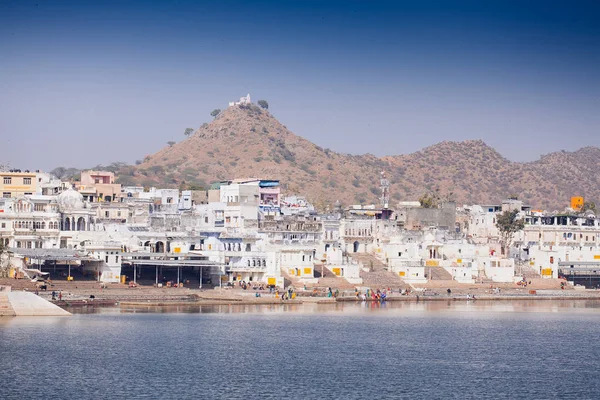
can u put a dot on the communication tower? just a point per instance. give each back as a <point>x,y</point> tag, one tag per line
<point>385,190</point>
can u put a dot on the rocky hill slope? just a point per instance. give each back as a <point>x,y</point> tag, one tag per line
<point>247,141</point>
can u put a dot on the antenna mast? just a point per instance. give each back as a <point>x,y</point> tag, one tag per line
<point>385,190</point>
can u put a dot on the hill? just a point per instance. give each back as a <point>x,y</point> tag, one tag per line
<point>247,141</point>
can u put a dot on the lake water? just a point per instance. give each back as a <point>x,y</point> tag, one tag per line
<point>436,350</point>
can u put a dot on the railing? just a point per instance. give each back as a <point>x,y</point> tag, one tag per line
<point>409,263</point>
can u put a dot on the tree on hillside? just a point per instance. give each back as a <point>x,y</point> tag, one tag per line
<point>429,200</point>
<point>508,224</point>
<point>188,131</point>
<point>170,143</point>
<point>215,112</point>
<point>263,104</point>
<point>114,166</point>
<point>65,173</point>
<point>589,206</point>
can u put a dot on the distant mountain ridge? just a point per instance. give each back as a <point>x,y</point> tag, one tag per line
<point>247,141</point>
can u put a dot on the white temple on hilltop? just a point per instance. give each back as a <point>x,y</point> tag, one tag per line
<point>243,100</point>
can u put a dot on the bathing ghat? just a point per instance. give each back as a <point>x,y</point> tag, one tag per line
<point>16,304</point>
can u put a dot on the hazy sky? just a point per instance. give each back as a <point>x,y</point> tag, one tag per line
<point>91,82</point>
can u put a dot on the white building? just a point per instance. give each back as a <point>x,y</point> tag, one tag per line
<point>243,100</point>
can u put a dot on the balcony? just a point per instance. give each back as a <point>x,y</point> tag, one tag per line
<point>244,268</point>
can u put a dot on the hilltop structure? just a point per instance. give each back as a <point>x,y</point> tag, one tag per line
<point>243,101</point>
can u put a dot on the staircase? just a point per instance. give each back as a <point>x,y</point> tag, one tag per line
<point>329,279</point>
<point>438,274</point>
<point>334,283</point>
<point>378,275</point>
<point>527,271</point>
<point>289,280</point>
<point>6,309</point>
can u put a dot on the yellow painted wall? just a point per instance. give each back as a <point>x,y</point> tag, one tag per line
<point>337,271</point>
<point>17,187</point>
<point>308,271</point>
<point>547,272</point>
<point>272,281</point>
<point>432,263</point>
<point>402,273</point>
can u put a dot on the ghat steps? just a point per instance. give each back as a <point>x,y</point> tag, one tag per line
<point>438,274</point>
<point>6,309</point>
<point>377,275</point>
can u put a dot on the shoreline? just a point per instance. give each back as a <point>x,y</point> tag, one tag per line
<point>251,301</point>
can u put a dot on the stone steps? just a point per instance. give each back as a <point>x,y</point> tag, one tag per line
<point>6,309</point>
<point>438,274</point>
<point>290,280</point>
<point>378,275</point>
<point>527,271</point>
<point>334,282</point>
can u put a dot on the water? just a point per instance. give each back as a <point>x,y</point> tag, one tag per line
<point>435,350</point>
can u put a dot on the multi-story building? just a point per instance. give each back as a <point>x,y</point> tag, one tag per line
<point>99,186</point>
<point>17,183</point>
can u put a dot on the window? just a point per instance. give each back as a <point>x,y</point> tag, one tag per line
<point>26,181</point>
<point>39,207</point>
<point>106,214</point>
<point>118,213</point>
<point>28,194</point>
<point>169,200</point>
<point>6,195</point>
<point>4,225</point>
<point>7,180</point>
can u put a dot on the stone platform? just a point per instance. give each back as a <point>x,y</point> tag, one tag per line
<point>28,304</point>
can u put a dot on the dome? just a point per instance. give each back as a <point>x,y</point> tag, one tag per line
<point>70,200</point>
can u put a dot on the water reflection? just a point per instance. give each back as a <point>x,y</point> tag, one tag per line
<point>368,307</point>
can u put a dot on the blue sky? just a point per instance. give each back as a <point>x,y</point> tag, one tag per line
<point>86,83</point>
